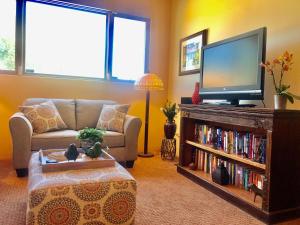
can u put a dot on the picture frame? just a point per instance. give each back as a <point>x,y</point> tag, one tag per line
<point>190,53</point>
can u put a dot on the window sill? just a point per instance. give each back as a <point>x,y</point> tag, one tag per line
<point>8,72</point>
<point>63,77</point>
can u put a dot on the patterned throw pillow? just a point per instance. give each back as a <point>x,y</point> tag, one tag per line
<point>43,117</point>
<point>112,117</point>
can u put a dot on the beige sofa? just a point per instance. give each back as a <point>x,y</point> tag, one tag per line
<point>77,114</point>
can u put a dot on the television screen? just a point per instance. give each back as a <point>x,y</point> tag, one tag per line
<point>231,64</point>
<point>231,68</point>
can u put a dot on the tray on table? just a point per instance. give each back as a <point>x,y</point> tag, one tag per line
<point>82,162</point>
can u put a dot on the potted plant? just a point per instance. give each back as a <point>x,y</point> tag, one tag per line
<point>281,65</point>
<point>170,111</point>
<point>89,136</point>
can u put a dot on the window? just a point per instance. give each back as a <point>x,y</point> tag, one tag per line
<point>61,38</point>
<point>64,41</point>
<point>129,59</point>
<point>7,34</point>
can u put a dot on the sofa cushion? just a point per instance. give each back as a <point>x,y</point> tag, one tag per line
<point>65,107</point>
<point>88,112</point>
<point>43,117</point>
<point>63,138</point>
<point>113,139</point>
<point>112,117</point>
<point>54,139</point>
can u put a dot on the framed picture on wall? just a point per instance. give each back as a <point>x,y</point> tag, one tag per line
<point>190,53</point>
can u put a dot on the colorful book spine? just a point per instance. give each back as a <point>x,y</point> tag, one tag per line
<point>238,176</point>
<point>245,144</point>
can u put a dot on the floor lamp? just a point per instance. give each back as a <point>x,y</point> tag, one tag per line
<point>148,82</point>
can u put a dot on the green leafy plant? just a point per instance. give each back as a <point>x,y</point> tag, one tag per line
<point>282,64</point>
<point>7,54</point>
<point>91,134</point>
<point>170,110</point>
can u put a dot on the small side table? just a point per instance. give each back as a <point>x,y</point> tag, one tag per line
<point>168,148</point>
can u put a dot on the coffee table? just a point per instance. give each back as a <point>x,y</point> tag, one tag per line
<point>88,196</point>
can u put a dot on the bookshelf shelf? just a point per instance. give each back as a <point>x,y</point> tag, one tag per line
<point>280,174</point>
<point>227,155</point>
<point>231,190</point>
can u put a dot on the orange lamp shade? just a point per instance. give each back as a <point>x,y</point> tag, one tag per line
<point>149,82</point>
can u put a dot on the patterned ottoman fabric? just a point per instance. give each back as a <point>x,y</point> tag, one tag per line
<point>87,197</point>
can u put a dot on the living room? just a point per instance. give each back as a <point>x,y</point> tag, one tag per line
<point>169,197</point>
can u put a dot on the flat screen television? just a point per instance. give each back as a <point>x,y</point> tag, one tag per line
<point>230,69</point>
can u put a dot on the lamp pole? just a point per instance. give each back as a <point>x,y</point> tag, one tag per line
<point>146,154</point>
<point>148,81</point>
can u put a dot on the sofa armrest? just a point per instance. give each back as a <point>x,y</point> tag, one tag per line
<point>21,133</point>
<point>132,127</point>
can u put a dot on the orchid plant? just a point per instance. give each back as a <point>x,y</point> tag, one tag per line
<point>283,64</point>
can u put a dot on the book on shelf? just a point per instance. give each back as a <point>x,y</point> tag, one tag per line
<point>245,144</point>
<point>239,176</point>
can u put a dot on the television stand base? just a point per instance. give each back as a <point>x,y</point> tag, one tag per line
<point>246,105</point>
<point>236,103</point>
<point>232,103</point>
<point>239,105</point>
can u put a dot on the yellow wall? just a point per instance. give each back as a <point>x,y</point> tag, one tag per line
<point>171,20</point>
<point>14,89</point>
<point>226,18</point>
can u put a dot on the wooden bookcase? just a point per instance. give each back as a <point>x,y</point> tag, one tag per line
<point>281,193</point>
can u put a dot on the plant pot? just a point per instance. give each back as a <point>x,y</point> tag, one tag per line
<point>280,102</point>
<point>170,130</point>
<point>86,144</point>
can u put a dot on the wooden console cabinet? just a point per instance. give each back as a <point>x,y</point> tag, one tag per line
<point>281,193</point>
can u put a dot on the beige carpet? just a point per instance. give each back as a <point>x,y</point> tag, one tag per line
<point>164,198</point>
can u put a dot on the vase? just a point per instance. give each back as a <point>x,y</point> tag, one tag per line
<point>170,129</point>
<point>220,175</point>
<point>196,97</point>
<point>280,101</point>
